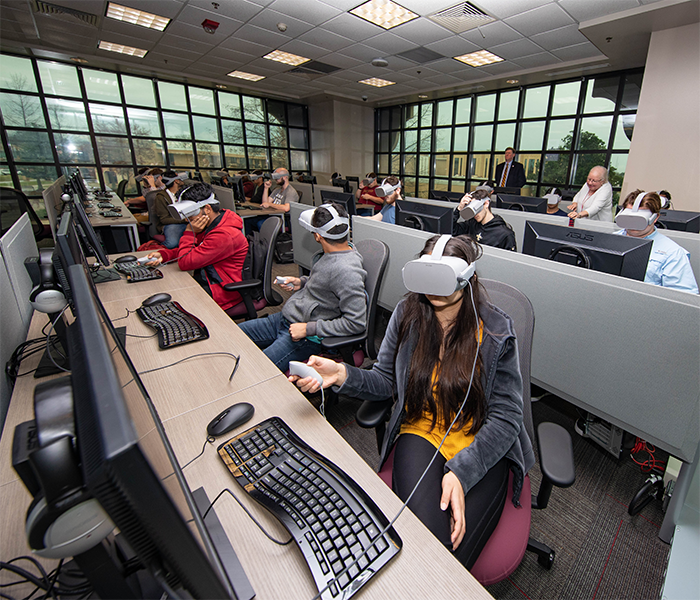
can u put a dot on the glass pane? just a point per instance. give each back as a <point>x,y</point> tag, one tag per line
<point>113,175</point>
<point>481,164</point>
<point>384,116</point>
<point>19,110</point>
<point>89,174</point>
<point>3,157</point>
<point>565,100</point>
<point>383,164</point>
<point>483,135</point>
<point>202,101</point>
<point>485,108</point>
<point>595,133</point>
<point>208,156</point>
<point>101,86</point>
<point>258,159</point>
<point>531,135</point>
<point>630,95</point>
<point>623,132</point>
<point>531,163</point>
<point>114,150</point>
<point>585,162</point>
<point>426,115</point>
<point>73,148</point>
<point>424,164</point>
<point>66,114</point>
<point>395,117</point>
<point>443,138</point>
<point>423,188</point>
<point>556,165</point>
<point>138,90</point>
<point>205,128</point>
<point>508,107</point>
<point>253,108</point>
<point>395,163</point>
<point>233,132</point>
<point>180,154</point>
<point>296,115</point>
<point>298,139</point>
<point>409,164</point>
<point>235,157</point>
<point>60,80</point>
<point>441,185</point>
<point>177,126</point>
<point>143,122</point>
<point>601,94</point>
<point>149,153</point>
<point>505,136</point>
<point>107,119</point>
<point>256,134</point>
<point>300,160</point>
<point>279,158</point>
<point>33,179</point>
<point>426,136</point>
<point>411,116</point>
<point>229,105</point>
<point>461,139</point>
<point>616,171</point>
<point>459,165</point>
<point>409,186</point>
<point>172,96</point>
<point>560,132</point>
<point>383,142</point>
<point>464,109</point>
<point>395,141</point>
<point>275,114</point>
<point>442,165</point>
<point>536,100</point>
<point>410,140</point>
<point>17,74</point>
<point>31,146</point>
<point>444,116</point>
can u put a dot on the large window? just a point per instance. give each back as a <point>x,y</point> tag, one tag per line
<point>560,130</point>
<point>57,117</point>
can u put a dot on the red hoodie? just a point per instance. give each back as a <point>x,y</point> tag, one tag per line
<point>222,249</point>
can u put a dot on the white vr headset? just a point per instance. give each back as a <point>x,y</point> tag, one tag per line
<point>168,180</point>
<point>307,215</point>
<point>367,181</point>
<point>386,189</point>
<point>664,201</point>
<point>473,208</point>
<point>186,209</point>
<point>552,199</point>
<point>435,274</point>
<point>635,218</point>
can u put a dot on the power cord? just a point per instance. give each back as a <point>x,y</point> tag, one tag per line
<point>237,360</point>
<point>651,463</point>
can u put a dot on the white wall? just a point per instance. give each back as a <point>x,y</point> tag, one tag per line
<point>665,148</point>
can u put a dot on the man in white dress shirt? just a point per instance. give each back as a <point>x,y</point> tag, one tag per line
<point>594,199</point>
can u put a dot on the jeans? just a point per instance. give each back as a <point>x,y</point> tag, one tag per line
<point>271,334</point>
<point>172,234</point>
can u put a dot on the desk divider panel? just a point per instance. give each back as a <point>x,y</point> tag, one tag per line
<point>225,197</point>
<point>17,244</point>
<point>52,201</point>
<point>317,192</point>
<point>305,246</point>
<point>306,191</point>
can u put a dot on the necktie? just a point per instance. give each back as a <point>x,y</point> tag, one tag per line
<point>505,174</point>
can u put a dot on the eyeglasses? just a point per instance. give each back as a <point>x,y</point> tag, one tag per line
<point>591,180</point>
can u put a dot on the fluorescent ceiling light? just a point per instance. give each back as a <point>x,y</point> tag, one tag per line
<point>376,82</point>
<point>128,50</point>
<point>385,13</point>
<point>137,17</point>
<point>244,75</point>
<point>286,58</point>
<point>479,59</point>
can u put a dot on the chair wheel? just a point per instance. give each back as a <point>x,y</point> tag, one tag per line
<point>546,560</point>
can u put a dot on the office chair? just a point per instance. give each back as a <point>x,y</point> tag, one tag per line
<point>13,204</point>
<point>506,547</point>
<point>250,306</point>
<point>153,217</point>
<point>121,189</point>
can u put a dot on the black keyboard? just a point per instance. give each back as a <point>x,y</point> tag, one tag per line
<point>331,518</point>
<point>105,205</point>
<point>134,271</point>
<point>110,213</point>
<point>175,326</point>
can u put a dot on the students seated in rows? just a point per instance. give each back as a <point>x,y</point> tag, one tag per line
<point>669,263</point>
<point>553,196</point>
<point>480,223</point>
<point>213,246</point>
<point>391,191</point>
<point>331,301</point>
<point>594,199</point>
<point>439,356</point>
<point>366,192</point>
<point>282,194</point>
<point>248,185</point>
<point>166,224</point>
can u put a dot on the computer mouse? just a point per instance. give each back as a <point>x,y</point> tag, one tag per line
<point>156,299</point>
<point>232,417</point>
<point>127,258</point>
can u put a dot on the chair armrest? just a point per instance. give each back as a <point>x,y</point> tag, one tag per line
<point>556,461</point>
<point>333,343</point>
<point>242,285</point>
<point>373,414</point>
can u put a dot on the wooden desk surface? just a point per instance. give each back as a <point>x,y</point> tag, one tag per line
<point>255,210</point>
<point>98,220</point>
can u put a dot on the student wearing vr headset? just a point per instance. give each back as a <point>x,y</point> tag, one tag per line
<point>282,195</point>
<point>553,196</point>
<point>480,223</point>
<point>450,360</point>
<point>389,192</point>
<point>669,264</point>
<point>330,301</point>
<point>213,244</point>
<point>367,194</point>
<point>167,225</point>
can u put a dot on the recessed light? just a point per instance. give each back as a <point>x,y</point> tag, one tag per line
<point>385,13</point>
<point>512,81</point>
<point>137,17</point>
<point>128,50</point>
<point>422,96</point>
<point>77,59</point>
<point>286,58</point>
<point>244,75</point>
<point>376,82</point>
<point>479,59</point>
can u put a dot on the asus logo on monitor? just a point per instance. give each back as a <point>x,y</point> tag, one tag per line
<point>586,237</point>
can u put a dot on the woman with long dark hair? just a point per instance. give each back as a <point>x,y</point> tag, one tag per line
<point>451,365</point>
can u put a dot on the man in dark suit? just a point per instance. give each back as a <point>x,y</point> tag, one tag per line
<point>514,171</point>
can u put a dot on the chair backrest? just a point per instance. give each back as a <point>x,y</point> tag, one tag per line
<point>13,204</point>
<point>152,217</point>
<point>375,256</point>
<point>121,189</point>
<point>268,232</point>
<point>519,308</point>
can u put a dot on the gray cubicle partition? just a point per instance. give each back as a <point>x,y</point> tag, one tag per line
<point>305,246</point>
<point>328,188</point>
<point>307,192</point>
<point>225,197</point>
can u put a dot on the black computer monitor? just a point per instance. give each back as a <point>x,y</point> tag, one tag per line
<point>604,252</point>
<point>355,180</point>
<point>67,251</point>
<point>346,199</point>
<point>680,220</point>
<point>342,183</point>
<point>426,217</point>
<point>522,203</point>
<point>237,186</point>
<point>91,243</point>
<point>308,179</point>
<point>446,196</point>
<point>513,191</point>
<point>127,462</point>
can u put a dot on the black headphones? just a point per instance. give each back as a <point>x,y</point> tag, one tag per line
<point>47,295</point>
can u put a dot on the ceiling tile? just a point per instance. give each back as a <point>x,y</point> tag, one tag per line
<point>443,80</point>
<point>263,66</point>
<point>327,40</point>
<point>233,43</point>
<point>454,45</point>
<point>389,43</point>
<point>257,35</point>
<point>110,25</point>
<point>559,38</point>
<point>220,53</point>
<point>591,9</point>
<point>502,9</point>
<point>351,26</point>
<point>577,52</point>
<point>268,20</point>
<point>522,47</point>
<point>306,10</point>
<point>176,53</point>
<point>157,7</point>
<point>127,40</point>
<point>446,65</point>
<point>537,60</point>
<point>338,60</point>
<point>499,68</point>
<point>492,34</point>
<point>186,33</point>
<point>361,52</point>
<point>421,32</point>
<point>240,10</point>
<point>540,19</point>
<point>303,49</point>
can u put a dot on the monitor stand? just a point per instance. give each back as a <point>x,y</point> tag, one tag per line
<point>103,275</point>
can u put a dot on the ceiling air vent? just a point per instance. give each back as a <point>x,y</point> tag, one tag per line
<point>461,17</point>
<point>54,9</point>
<point>420,55</point>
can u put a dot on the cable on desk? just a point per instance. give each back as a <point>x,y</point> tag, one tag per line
<point>128,312</point>
<point>235,358</point>
<point>48,340</point>
<point>209,440</point>
<point>24,350</point>
<point>145,337</point>
<point>252,518</point>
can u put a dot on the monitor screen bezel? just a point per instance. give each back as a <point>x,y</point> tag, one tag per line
<point>431,213</point>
